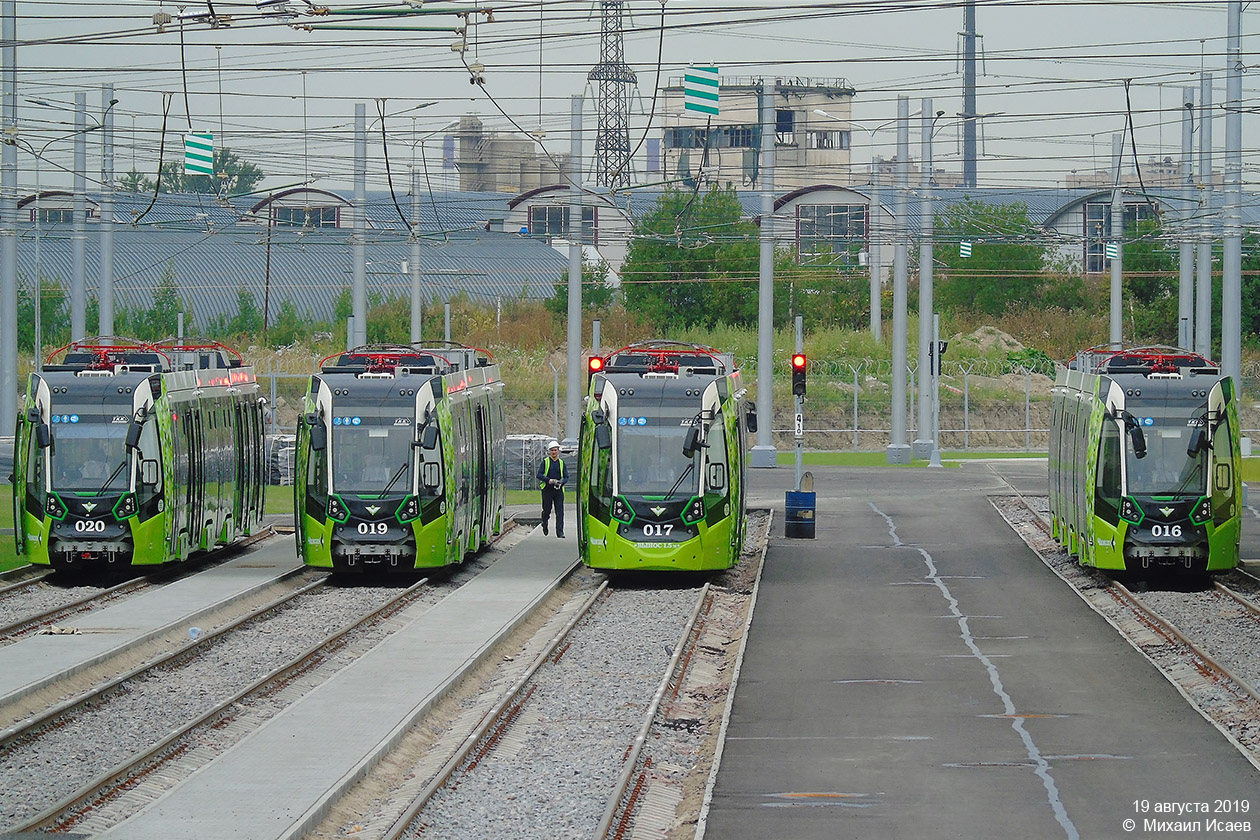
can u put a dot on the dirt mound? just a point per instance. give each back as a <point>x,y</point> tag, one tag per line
<point>987,338</point>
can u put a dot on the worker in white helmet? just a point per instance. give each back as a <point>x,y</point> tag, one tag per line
<point>551,480</point>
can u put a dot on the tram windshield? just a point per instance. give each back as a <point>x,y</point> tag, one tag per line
<point>650,460</point>
<point>87,451</point>
<point>371,455</point>
<point>1166,470</point>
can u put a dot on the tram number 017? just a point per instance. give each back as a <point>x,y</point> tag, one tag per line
<point>655,529</point>
<point>1165,530</point>
<point>376,528</point>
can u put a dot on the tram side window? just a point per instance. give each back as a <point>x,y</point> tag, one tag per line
<point>715,478</point>
<point>1108,481</point>
<point>1222,458</point>
<point>34,468</point>
<point>316,473</point>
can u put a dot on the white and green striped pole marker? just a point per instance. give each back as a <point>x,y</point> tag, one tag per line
<point>964,248</point>
<point>701,90</point>
<point>1113,250</point>
<point>198,153</point>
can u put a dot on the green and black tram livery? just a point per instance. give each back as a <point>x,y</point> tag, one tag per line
<point>400,458</point>
<point>661,460</point>
<point>1144,458</point>
<point>133,454</point>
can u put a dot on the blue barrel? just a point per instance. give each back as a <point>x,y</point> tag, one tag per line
<point>799,523</point>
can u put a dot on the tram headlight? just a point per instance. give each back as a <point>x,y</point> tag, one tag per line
<point>621,511</point>
<point>126,507</point>
<point>694,511</point>
<point>337,510</point>
<point>1131,511</point>
<point>54,508</point>
<point>408,511</point>
<point>1202,512</point>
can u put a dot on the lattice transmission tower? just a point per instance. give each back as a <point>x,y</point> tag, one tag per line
<point>612,143</point>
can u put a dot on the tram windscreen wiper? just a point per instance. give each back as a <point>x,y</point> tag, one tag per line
<point>680,480</point>
<point>397,475</point>
<point>114,474</point>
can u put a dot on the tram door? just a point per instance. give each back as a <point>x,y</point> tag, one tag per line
<point>481,455</point>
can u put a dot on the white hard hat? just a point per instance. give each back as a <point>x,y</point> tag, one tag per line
<point>555,444</point>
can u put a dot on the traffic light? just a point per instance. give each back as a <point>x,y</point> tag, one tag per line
<point>799,363</point>
<point>593,366</point>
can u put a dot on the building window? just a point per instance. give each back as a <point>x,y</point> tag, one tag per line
<point>54,215</point>
<point>551,221</point>
<point>307,217</point>
<point>785,128</point>
<point>1098,228</point>
<point>830,234</point>
<point>827,139</point>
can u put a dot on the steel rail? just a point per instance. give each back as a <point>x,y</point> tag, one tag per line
<point>62,815</point>
<point>687,641</point>
<point>22,576</point>
<point>492,725</point>
<point>26,626</point>
<point>1146,614</point>
<point>33,727</point>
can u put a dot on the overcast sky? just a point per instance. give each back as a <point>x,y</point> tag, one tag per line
<point>1052,75</point>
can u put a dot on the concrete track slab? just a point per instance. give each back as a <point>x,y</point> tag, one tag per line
<point>917,672</point>
<point>36,661</point>
<point>280,781</point>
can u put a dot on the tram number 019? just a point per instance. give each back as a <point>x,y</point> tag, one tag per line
<point>1165,530</point>
<point>655,529</point>
<point>376,528</point>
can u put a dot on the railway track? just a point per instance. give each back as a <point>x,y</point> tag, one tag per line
<point>117,790</point>
<point>73,601</point>
<point>1203,641</point>
<point>570,732</point>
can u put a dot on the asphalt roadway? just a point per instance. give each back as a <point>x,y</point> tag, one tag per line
<point>917,672</point>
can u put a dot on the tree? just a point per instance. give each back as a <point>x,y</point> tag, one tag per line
<point>1005,263</point>
<point>248,321</point>
<point>232,176</point>
<point>693,262</point>
<point>134,181</point>
<point>54,316</point>
<point>597,294</point>
<point>162,319</point>
<point>1150,284</point>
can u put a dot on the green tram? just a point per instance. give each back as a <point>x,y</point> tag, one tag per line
<point>400,458</point>
<point>132,454</point>
<point>661,460</point>
<point>1144,458</point>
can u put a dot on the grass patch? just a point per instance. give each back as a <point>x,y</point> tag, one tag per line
<point>1250,470</point>
<point>279,499</point>
<point>880,459</point>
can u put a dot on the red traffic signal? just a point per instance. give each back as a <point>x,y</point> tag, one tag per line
<point>799,364</point>
<point>594,365</point>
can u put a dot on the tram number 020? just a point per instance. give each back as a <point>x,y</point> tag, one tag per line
<point>84,526</point>
<point>655,529</point>
<point>370,528</point>
<point>1165,530</point>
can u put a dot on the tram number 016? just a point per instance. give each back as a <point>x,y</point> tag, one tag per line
<point>373,528</point>
<point>655,529</point>
<point>1165,530</point>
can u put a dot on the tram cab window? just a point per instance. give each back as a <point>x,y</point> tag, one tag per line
<point>715,456</point>
<point>1108,481</point>
<point>35,455</point>
<point>1222,455</point>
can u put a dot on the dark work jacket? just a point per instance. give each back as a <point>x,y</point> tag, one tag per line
<point>551,469</point>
